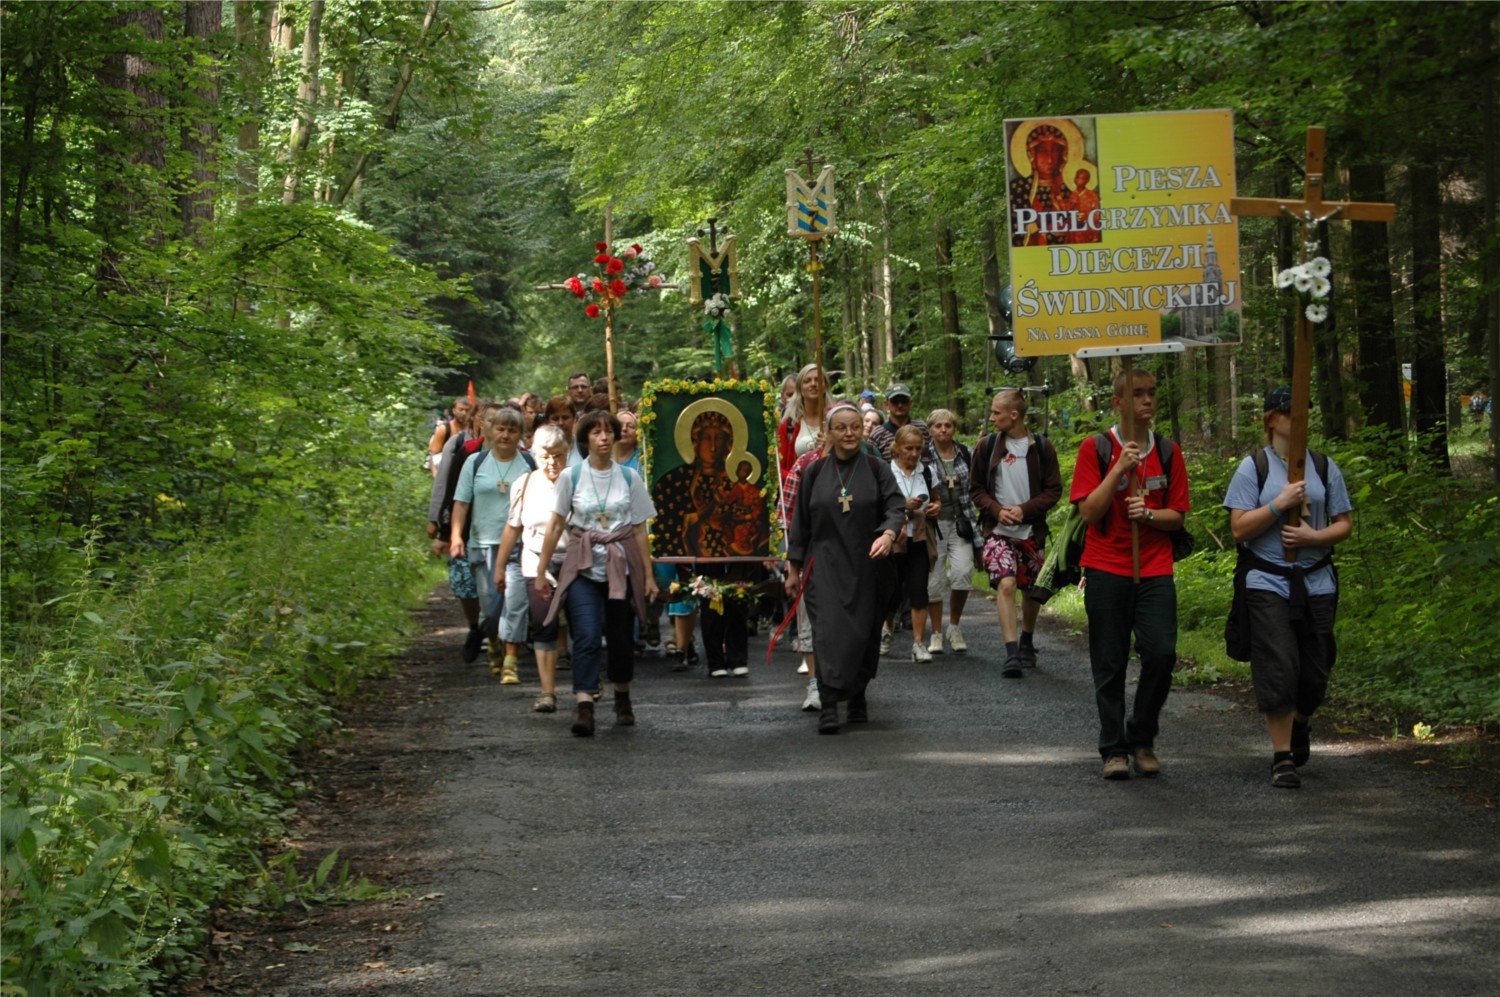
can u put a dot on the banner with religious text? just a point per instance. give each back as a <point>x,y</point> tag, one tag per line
<point>1121,232</point>
<point>711,467</point>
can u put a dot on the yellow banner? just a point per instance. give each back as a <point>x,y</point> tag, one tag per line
<point>1121,232</point>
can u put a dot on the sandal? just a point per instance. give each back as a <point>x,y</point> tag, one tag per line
<point>1284,775</point>
<point>545,703</point>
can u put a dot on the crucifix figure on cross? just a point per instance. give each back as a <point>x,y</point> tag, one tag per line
<point>1309,212</point>
<point>616,278</point>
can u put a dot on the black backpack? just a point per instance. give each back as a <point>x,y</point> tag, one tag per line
<point>450,486</point>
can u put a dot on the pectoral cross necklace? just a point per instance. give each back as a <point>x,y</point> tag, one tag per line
<point>609,481</point>
<point>845,499</point>
<point>504,483</point>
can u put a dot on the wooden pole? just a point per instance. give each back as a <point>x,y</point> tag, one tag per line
<point>609,318</point>
<point>817,271</point>
<point>1127,429</point>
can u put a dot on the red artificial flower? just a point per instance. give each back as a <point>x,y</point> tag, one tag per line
<point>614,266</point>
<point>575,285</point>
<point>654,281</point>
<point>592,311</point>
<point>638,249</point>
<point>598,286</point>
<point>603,258</point>
<point>617,288</point>
<point>630,253</point>
<point>601,246</point>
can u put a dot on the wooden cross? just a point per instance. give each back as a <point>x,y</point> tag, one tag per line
<point>1309,212</point>
<point>609,314</point>
<point>845,499</point>
<point>713,246</point>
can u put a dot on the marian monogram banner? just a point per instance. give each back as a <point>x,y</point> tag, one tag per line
<point>1121,233</point>
<point>810,210</point>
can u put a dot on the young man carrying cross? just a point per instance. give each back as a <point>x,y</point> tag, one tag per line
<point>1133,497</point>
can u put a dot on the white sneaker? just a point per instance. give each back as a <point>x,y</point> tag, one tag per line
<point>935,643</point>
<point>956,639</point>
<point>813,702</point>
<point>919,652</point>
<point>802,669</point>
<point>886,640</point>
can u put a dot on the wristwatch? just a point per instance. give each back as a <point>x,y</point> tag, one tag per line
<point>1149,516</point>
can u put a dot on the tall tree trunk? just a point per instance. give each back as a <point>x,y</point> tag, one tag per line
<point>1329,363</point>
<point>1429,387</point>
<point>202,20</point>
<point>953,354</point>
<point>887,341</point>
<point>123,198</point>
<point>1378,362</point>
<point>307,101</point>
<point>252,36</point>
<point>1491,301</point>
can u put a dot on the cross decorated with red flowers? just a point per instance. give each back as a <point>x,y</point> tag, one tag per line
<point>614,279</point>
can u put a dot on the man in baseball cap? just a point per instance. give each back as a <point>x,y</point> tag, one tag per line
<point>898,405</point>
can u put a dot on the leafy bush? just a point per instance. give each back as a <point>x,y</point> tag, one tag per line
<point>151,730</point>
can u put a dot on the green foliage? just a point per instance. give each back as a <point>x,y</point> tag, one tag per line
<point>151,734</point>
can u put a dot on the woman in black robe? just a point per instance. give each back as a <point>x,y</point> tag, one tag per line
<point>844,521</point>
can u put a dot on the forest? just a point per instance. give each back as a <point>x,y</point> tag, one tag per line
<point>248,248</point>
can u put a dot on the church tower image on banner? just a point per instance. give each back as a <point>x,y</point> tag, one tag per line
<point>1202,318</point>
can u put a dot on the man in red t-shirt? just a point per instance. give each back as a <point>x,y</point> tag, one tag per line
<point>1134,491</point>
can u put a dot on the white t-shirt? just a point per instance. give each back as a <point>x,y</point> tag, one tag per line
<point>530,511</point>
<point>807,437</point>
<point>1012,484</point>
<point>604,501</point>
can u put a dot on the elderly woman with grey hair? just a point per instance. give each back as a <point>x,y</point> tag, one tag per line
<point>481,505</point>
<point>530,512</point>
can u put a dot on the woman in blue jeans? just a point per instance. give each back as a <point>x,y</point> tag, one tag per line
<point>606,574</point>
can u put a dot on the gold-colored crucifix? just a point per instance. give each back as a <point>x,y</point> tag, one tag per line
<point>1309,212</point>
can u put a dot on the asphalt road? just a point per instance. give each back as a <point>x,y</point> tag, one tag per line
<point>963,842</point>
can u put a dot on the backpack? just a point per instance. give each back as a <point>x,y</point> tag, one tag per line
<point>1183,543</point>
<point>576,471</point>
<point>1237,623</point>
<point>987,453</point>
<point>1063,564</point>
<point>445,516</point>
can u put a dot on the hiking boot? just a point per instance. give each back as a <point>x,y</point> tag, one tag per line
<point>624,714</point>
<point>813,702</point>
<point>1012,669</point>
<point>1146,764</point>
<point>473,644</point>
<point>935,643</point>
<point>828,720</point>
<point>1301,743</point>
<point>1116,767</point>
<point>956,639</point>
<point>1028,656</point>
<point>858,710</point>
<point>583,720</point>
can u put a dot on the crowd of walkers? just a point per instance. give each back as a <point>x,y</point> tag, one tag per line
<point>542,508</point>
